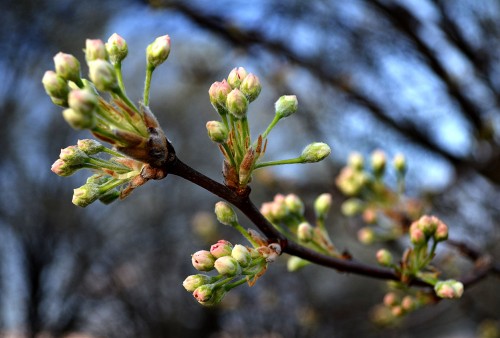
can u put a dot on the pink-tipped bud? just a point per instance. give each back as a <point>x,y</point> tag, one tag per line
<point>366,235</point>
<point>236,76</point>
<point>82,101</point>
<point>242,255</point>
<point>251,87</point>
<point>203,260</point>
<point>73,156</point>
<point>428,224</point>
<point>217,131</point>
<point>55,86</point>
<point>391,299</point>
<point>103,75</point>
<point>204,292</point>
<point>63,169</point>
<point>218,95</point>
<point>286,106</point>
<point>77,120</point>
<point>315,152</point>
<point>193,282</point>
<point>305,232</point>
<point>225,214</point>
<point>384,257</point>
<point>227,265</point>
<point>441,233</point>
<point>449,289</point>
<point>158,51</point>
<point>95,50</point>
<point>417,236</point>
<point>237,103</point>
<point>67,66</point>
<point>117,48</point>
<point>322,205</point>
<point>221,248</point>
<point>408,303</point>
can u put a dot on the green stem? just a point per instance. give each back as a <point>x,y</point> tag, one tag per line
<point>108,165</point>
<point>235,284</point>
<point>121,94</point>
<point>147,83</point>
<point>119,76</point>
<point>271,126</point>
<point>229,154</point>
<point>279,162</point>
<point>112,152</point>
<point>245,234</point>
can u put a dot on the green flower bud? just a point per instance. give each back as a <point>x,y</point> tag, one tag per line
<point>203,260</point>
<point>286,105</point>
<point>218,95</point>
<point>449,289</point>
<point>117,48</point>
<point>305,232</point>
<point>227,265</point>
<point>428,224</point>
<point>225,214</point>
<point>90,147</point>
<point>251,87</point>
<point>158,51</point>
<point>193,282</point>
<point>236,76</point>
<point>95,50</point>
<point>56,87</point>
<point>237,103</point>
<point>242,255</point>
<point>86,194</point>
<point>378,160</point>
<point>103,75</point>
<point>77,120</point>
<point>356,161</point>
<point>67,66</point>
<point>73,156</point>
<point>315,152</point>
<point>441,233</point>
<point>399,163</point>
<point>82,101</point>
<point>295,263</point>
<point>63,169</point>
<point>209,294</point>
<point>294,204</point>
<point>217,131</point>
<point>322,205</point>
<point>352,207</point>
<point>384,257</point>
<point>221,248</point>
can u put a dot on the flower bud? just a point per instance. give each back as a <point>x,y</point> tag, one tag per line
<point>103,75</point>
<point>221,248</point>
<point>366,235</point>
<point>315,152</point>
<point>227,265</point>
<point>117,48</point>
<point>236,76</point>
<point>378,161</point>
<point>55,86</point>
<point>95,50</point>
<point>225,214</point>
<point>399,163</point>
<point>294,204</point>
<point>352,207</point>
<point>192,282</point>
<point>86,194</point>
<point>391,299</point>
<point>67,66</point>
<point>77,120</point>
<point>242,255</point>
<point>73,156</point>
<point>441,233</point>
<point>322,205</point>
<point>305,232</point>
<point>158,51</point>
<point>237,103</point>
<point>449,289</point>
<point>356,161</point>
<point>286,106</point>
<point>82,101</point>
<point>251,87</point>
<point>90,147</point>
<point>63,169</point>
<point>408,303</point>
<point>417,236</point>
<point>209,294</point>
<point>217,131</point>
<point>295,263</point>
<point>203,260</point>
<point>218,94</point>
<point>384,257</point>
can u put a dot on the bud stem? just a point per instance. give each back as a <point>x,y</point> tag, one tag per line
<point>271,126</point>
<point>279,162</point>
<point>245,234</point>
<point>229,155</point>
<point>119,76</point>
<point>147,83</point>
<point>121,94</point>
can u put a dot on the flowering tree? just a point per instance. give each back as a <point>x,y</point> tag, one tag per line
<point>141,152</point>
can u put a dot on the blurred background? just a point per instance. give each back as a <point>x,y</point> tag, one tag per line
<point>417,77</point>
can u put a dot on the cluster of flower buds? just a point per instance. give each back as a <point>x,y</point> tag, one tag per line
<point>384,210</point>
<point>286,213</point>
<point>132,131</point>
<point>397,304</point>
<point>111,174</point>
<point>234,265</point>
<point>231,98</point>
